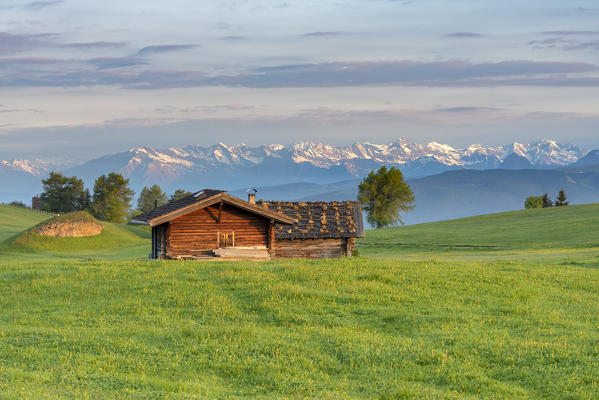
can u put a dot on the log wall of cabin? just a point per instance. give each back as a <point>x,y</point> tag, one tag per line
<point>311,248</point>
<point>197,232</point>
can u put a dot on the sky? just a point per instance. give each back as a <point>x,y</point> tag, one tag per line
<point>83,78</point>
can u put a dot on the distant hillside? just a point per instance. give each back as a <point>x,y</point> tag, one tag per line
<point>547,229</point>
<point>461,193</point>
<point>515,161</point>
<point>590,159</point>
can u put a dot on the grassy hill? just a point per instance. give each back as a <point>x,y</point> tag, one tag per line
<point>330,329</point>
<point>77,323</point>
<point>558,230</point>
<point>20,243</point>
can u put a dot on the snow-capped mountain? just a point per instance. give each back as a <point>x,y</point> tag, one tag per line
<point>32,167</point>
<point>36,167</point>
<point>224,166</point>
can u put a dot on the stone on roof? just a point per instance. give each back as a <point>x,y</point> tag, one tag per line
<point>318,220</point>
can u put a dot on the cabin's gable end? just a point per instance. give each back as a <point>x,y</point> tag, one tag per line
<point>217,226</point>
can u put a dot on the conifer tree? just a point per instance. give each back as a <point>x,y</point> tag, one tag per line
<point>179,193</point>
<point>547,201</point>
<point>561,199</point>
<point>150,196</point>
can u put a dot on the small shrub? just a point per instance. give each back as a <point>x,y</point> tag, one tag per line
<point>533,202</point>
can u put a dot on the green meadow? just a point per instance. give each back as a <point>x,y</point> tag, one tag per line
<point>499,306</point>
<point>547,235</point>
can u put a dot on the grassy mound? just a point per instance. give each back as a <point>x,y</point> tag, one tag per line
<point>117,241</point>
<point>75,224</point>
<point>329,329</point>
<point>112,236</point>
<point>77,216</point>
<point>572,227</point>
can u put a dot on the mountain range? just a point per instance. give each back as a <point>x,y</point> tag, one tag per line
<point>238,166</point>
<point>448,182</point>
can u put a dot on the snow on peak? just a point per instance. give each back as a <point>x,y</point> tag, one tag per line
<point>441,147</point>
<point>356,158</point>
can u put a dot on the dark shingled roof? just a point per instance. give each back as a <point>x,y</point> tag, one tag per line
<point>318,220</point>
<point>176,205</point>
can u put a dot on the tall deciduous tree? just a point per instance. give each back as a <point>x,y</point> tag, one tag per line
<point>561,199</point>
<point>150,196</point>
<point>179,193</point>
<point>112,197</point>
<point>384,194</point>
<point>64,194</point>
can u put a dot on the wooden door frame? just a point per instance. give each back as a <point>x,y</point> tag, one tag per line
<point>218,238</point>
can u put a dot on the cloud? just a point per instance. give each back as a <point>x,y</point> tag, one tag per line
<point>30,61</point>
<point>233,38</point>
<point>170,110</point>
<point>94,45</point>
<point>464,35</point>
<point>467,109</point>
<point>453,73</point>
<point>393,73</point>
<point>15,43</point>
<point>165,48</point>
<point>116,62</point>
<point>594,45</point>
<point>564,44</point>
<point>37,5</point>
<point>551,43</point>
<point>322,34</point>
<point>570,33</point>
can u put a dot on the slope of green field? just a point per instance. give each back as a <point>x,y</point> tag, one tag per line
<point>75,324</point>
<point>558,231</point>
<point>14,220</point>
<point>332,329</point>
<point>117,241</point>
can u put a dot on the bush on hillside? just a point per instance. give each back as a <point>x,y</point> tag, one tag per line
<point>533,202</point>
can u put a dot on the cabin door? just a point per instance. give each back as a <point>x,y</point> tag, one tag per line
<point>226,239</point>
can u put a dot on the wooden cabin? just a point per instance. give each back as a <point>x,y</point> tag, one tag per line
<point>212,223</point>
